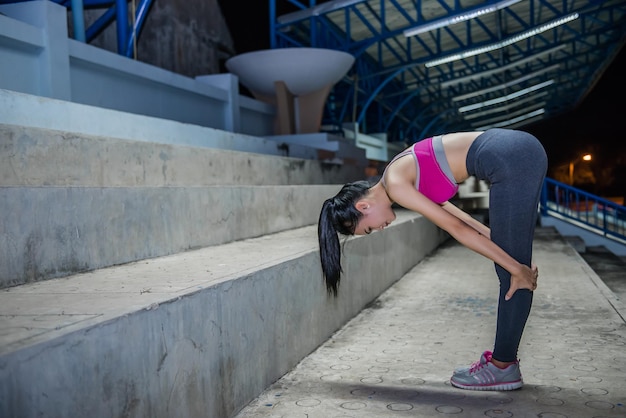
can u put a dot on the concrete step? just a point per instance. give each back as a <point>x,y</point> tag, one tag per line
<point>609,267</point>
<point>34,156</point>
<point>52,232</point>
<point>76,202</point>
<point>332,148</point>
<point>27,110</point>
<point>199,333</point>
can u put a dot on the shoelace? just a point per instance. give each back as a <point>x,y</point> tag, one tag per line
<point>475,366</point>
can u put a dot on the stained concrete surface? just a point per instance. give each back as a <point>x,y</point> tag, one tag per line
<point>610,267</point>
<point>396,357</point>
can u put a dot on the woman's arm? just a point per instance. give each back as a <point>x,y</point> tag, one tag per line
<point>481,228</point>
<point>522,276</point>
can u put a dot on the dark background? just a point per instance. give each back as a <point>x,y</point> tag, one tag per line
<point>596,125</point>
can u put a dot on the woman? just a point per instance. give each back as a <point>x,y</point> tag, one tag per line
<point>423,178</point>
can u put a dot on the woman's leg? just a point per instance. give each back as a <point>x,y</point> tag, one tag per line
<point>515,164</point>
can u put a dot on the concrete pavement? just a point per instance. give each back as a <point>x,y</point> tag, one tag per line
<point>396,357</point>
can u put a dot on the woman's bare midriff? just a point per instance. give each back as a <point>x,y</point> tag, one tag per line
<point>456,146</point>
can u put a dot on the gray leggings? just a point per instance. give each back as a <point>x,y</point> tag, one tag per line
<point>514,163</point>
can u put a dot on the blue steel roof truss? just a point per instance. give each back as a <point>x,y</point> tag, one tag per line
<point>115,11</point>
<point>536,77</point>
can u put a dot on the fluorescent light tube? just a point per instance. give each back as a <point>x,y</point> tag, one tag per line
<point>502,44</point>
<point>505,85</point>
<point>513,64</point>
<point>511,96</point>
<point>451,20</point>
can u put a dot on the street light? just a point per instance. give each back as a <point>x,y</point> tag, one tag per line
<point>585,157</point>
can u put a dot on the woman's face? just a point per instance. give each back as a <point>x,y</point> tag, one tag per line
<point>376,217</point>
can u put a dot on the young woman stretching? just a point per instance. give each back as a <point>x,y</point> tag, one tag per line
<point>422,178</point>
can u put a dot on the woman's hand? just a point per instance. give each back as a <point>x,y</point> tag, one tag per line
<point>525,278</point>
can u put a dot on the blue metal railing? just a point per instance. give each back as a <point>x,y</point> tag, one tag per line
<point>117,11</point>
<point>594,213</point>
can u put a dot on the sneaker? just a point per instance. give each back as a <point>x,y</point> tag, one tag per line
<point>484,375</point>
<point>484,358</point>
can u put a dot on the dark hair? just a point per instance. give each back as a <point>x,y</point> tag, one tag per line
<point>338,215</point>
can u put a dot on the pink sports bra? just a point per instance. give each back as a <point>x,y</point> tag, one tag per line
<point>434,177</point>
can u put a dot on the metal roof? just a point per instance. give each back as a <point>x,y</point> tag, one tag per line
<point>526,61</point>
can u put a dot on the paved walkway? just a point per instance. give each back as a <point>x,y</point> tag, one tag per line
<point>395,358</point>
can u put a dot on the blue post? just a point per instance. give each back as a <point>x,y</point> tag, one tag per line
<point>140,16</point>
<point>122,25</point>
<point>272,18</point>
<point>78,20</point>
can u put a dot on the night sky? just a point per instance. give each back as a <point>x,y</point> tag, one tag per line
<point>600,119</point>
<point>596,125</point>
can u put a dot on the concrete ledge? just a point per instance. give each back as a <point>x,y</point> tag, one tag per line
<point>589,237</point>
<point>44,157</point>
<point>35,111</point>
<point>576,242</point>
<point>48,232</point>
<point>340,148</point>
<point>195,334</point>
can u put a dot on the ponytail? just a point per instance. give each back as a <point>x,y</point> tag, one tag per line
<point>338,216</point>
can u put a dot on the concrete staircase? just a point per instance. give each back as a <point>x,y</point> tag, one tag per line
<point>153,279</point>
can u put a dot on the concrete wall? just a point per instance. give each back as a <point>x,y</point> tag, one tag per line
<point>37,57</point>
<point>195,334</point>
<point>187,37</point>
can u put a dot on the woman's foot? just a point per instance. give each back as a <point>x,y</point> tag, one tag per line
<point>486,374</point>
